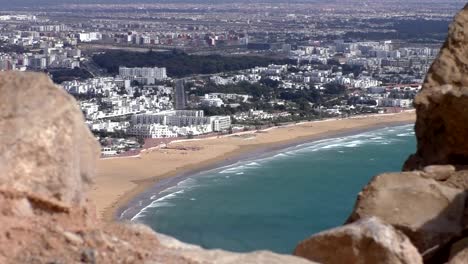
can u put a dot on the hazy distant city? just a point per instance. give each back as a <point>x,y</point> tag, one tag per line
<point>146,73</point>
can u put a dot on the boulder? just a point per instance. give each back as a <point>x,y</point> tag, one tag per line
<point>428,212</point>
<point>442,119</point>
<point>365,241</point>
<point>458,180</point>
<point>439,172</point>
<point>460,258</point>
<point>198,255</point>
<point>459,252</point>
<point>45,146</point>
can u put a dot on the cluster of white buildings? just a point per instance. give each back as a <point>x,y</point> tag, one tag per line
<point>270,70</point>
<point>63,58</point>
<point>372,54</point>
<point>99,85</point>
<point>252,78</point>
<point>308,75</point>
<point>89,36</point>
<point>260,115</point>
<point>175,123</point>
<point>389,97</point>
<point>362,82</point>
<point>18,18</point>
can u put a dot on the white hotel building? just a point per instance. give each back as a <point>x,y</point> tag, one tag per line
<point>143,75</point>
<point>152,131</point>
<point>182,122</point>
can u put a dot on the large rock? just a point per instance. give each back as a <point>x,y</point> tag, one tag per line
<point>442,118</point>
<point>45,146</point>
<point>459,252</point>
<point>367,241</point>
<point>428,212</point>
<point>460,258</point>
<point>199,255</point>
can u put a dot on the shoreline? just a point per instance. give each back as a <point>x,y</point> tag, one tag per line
<point>142,200</point>
<point>125,200</point>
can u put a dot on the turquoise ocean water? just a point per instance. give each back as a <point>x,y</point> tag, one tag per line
<point>274,202</point>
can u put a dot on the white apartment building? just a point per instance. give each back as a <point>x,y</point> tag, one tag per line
<point>192,120</point>
<point>220,123</point>
<point>152,131</point>
<point>89,36</point>
<point>145,72</point>
<point>216,102</point>
<point>180,118</point>
<point>389,102</point>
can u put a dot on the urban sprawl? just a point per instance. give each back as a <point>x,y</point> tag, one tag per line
<point>147,74</point>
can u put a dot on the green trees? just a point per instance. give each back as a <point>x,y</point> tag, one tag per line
<point>137,93</point>
<point>311,95</point>
<point>180,64</point>
<point>334,88</point>
<point>62,75</point>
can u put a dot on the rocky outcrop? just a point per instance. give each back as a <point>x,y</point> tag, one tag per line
<point>198,255</point>
<point>442,121</point>
<point>44,143</point>
<point>48,160</point>
<point>365,241</point>
<point>427,211</point>
<point>459,252</point>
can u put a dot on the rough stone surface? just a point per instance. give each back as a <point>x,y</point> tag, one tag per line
<point>45,146</point>
<point>365,241</point>
<point>439,172</point>
<point>460,258</point>
<point>442,120</point>
<point>459,252</point>
<point>198,255</point>
<point>47,162</point>
<point>428,212</point>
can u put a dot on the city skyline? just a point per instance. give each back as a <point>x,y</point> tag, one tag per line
<point>250,64</point>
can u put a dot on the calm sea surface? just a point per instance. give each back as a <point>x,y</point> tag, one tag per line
<point>274,202</point>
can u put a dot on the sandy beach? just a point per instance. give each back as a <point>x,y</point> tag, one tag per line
<point>119,180</point>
